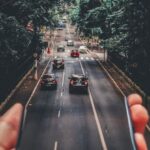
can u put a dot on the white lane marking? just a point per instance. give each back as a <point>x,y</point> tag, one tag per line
<point>55,145</point>
<point>68,30</point>
<point>148,128</point>
<point>61,94</point>
<point>99,128</point>
<point>102,140</point>
<point>63,79</point>
<point>37,85</point>
<point>59,113</point>
<point>81,58</point>
<point>50,70</point>
<point>82,68</point>
<point>87,58</point>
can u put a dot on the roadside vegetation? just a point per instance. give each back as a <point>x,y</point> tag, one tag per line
<point>121,27</point>
<point>21,22</point>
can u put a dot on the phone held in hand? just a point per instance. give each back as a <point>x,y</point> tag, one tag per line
<point>22,123</point>
<point>131,130</point>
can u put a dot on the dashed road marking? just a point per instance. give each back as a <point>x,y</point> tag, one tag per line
<point>63,79</point>
<point>102,139</point>
<point>61,94</point>
<point>59,113</point>
<point>55,145</point>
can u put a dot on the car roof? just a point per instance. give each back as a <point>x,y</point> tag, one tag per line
<point>49,75</point>
<point>70,40</point>
<point>58,58</point>
<point>75,50</point>
<point>83,46</point>
<point>61,46</point>
<point>78,75</point>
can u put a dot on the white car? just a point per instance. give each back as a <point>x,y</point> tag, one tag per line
<point>83,49</point>
<point>70,43</point>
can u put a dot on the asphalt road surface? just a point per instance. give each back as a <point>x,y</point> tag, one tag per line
<point>58,120</point>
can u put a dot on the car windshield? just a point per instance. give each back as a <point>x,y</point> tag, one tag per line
<point>78,77</point>
<point>47,76</point>
<point>60,46</point>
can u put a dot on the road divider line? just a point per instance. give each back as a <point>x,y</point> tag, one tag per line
<point>55,145</point>
<point>99,128</point>
<point>82,67</point>
<point>61,94</point>
<point>102,139</point>
<point>63,79</point>
<point>37,84</point>
<point>59,113</point>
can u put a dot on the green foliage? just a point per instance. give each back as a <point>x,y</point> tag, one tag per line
<point>16,43</point>
<point>14,40</point>
<point>122,26</point>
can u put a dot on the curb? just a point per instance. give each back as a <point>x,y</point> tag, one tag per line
<point>128,79</point>
<point>15,89</point>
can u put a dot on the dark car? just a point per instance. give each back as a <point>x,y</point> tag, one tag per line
<point>70,43</point>
<point>58,63</point>
<point>61,48</point>
<point>78,83</point>
<point>74,53</point>
<point>48,81</point>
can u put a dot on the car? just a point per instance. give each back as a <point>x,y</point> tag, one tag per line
<point>61,48</point>
<point>48,81</point>
<point>64,19</point>
<point>58,63</point>
<point>74,53</point>
<point>66,38</point>
<point>61,25</point>
<point>70,43</point>
<point>83,49</point>
<point>78,83</point>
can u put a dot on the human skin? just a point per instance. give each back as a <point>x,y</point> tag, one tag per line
<point>140,118</point>
<point>9,127</point>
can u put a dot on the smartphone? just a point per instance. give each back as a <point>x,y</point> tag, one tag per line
<point>22,123</point>
<point>131,130</point>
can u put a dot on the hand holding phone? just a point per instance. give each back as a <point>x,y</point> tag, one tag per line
<point>137,118</point>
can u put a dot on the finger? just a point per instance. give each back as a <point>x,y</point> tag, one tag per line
<point>9,126</point>
<point>134,99</point>
<point>140,142</point>
<point>140,117</point>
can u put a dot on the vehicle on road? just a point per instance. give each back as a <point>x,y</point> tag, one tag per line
<point>74,53</point>
<point>67,38</point>
<point>70,43</point>
<point>83,49</point>
<point>60,48</point>
<point>78,83</point>
<point>58,63</point>
<point>48,81</point>
<point>61,25</point>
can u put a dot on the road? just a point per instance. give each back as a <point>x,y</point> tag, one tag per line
<point>58,120</point>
